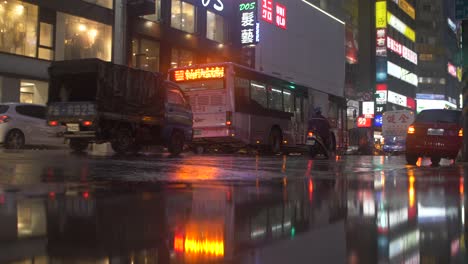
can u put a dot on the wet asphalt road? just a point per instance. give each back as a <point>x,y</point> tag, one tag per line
<point>57,207</point>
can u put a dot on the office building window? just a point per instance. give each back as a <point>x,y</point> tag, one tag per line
<point>46,39</point>
<point>183,16</point>
<point>18,28</point>
<point>156,17</point>
<point>103,3</point>
<point>145,54</point>
<point>35,92</point>
<point>181,58</point>
<point>80,38</point>
<point>214,27</point>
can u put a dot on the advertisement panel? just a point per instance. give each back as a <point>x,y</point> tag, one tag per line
<point>397,99</point>
<point>423,104</point>
<point>381,14</point>
<point>402,74</point>
<point>248,18</point>
<point>368,109</point>
<point>402,50</point>
<point>401,27</point>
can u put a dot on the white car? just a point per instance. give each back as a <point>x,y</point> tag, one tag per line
<point>25,124</point>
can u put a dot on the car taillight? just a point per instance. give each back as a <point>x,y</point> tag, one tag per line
<point>4,119</point>
<point>460,132</point>
<point>52,123</point>
<point>87,123</point>
<point>228,118</point>
<point>411,130</point>
<point>310,134</point>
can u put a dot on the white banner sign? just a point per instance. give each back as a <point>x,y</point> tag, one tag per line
<point>402,74</point>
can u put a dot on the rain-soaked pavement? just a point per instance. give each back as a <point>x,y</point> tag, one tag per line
<point>57,207</point>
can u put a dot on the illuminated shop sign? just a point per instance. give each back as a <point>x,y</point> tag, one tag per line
<point>199,74</point>
<point>368,109</point>
<point>272,10</point>
<point>396,98</point>
<point>249,24</point>
<point>459,73</point>
<point>402,74</point>
<point>378,120</point>
<point>381,14</point>
<point>424,104</point>
<point>406,7</point>
<point>402,50</point>
<point>401,27</point>
<point>381,49</point>
<point>380,97</point>
<point>452,70</point>
<point>452,25</point>
<point>430,96</point>
<point>364,122</point>
<point>218,5</point>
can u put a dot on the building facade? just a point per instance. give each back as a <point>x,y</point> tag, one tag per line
<point>438,45</point>
<point>151,35</point>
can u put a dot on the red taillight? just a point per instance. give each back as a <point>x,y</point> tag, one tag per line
<point>4,119</point>
<point>310,134</point>
<point>228,118</point>
<point>411,130</point>
<point>460,132</point>
<point>52,123</point>
<point>87,123</point>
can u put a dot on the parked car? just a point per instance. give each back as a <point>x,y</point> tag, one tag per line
<point>436,134</point>
<point>25,124</point>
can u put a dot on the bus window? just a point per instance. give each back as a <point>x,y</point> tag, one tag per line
<point>288,99</point>
<point>258,93</point>
<point>299,107</point>
<point>275,98</point>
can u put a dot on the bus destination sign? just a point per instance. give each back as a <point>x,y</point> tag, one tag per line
<point>199,74</point>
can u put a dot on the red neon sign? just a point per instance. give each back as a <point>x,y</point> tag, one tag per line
<point>452,69</point>
<point>267,10</point>
<point>364,122</point>
<point>281,16</point>
<point>381,87</point>
<point>199,74</point>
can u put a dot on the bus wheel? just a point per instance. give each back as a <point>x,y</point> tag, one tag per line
<point>198,149</point>
<point>275,140</point>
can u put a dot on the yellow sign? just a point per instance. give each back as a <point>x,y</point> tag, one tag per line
<point>401,27</point>
<point>405,6</point>
<point>381,14</point>
<point>460,74</point>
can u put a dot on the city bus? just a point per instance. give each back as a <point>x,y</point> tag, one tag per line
<point>235,106</point>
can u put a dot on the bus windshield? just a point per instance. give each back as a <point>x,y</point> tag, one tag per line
<point>202,85</point>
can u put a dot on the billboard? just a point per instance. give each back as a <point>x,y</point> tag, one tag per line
<point>302,44</point>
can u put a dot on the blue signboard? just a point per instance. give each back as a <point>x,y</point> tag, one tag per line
<point>378,121</point>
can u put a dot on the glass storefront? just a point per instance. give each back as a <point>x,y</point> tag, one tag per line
<point>183,16</point>
<point>214,27</point>
<point>181,58</point>
<point>18,28</point>
<point>103,3</point>
<point>145,54</point>
<point>80,38</point>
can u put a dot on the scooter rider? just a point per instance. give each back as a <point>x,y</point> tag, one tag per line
<point>320,124</point>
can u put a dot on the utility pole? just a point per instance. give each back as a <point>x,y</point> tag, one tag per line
<point>465,88</point>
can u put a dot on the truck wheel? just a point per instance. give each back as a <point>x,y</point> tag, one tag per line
<point>122,141</point>
<point>176,146</point>
<point>411,159</point>
<point>275,141</point>
<point>78,145</point>
<point>435,160</point>
<point>14,139</point>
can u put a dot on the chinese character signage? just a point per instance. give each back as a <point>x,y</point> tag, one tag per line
<point>381,14</point>
<point>249,24</point>
<point>402,50</point>
<point>364,122</point>
<point>274,13</point>
<point>267,10</point>
<point>281,16</point>
<point>198,74</point>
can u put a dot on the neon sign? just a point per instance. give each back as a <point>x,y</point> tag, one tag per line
<point>452,70</point>
<point>281,16</point>
<point>199,74</point>
<point>280,11</point>
<point>401,27</point>
<point>267,10</point>
<point>218,6</point>
<point>402,73</point>
<point>364,122</point>
<point>402,50</point>
<point>249,24</point>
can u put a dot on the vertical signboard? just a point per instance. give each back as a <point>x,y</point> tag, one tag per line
<point>267,11</point>
<point>280,16</point>
<point>248,23</point>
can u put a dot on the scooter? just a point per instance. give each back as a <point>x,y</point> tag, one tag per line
<point>316,145</point>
